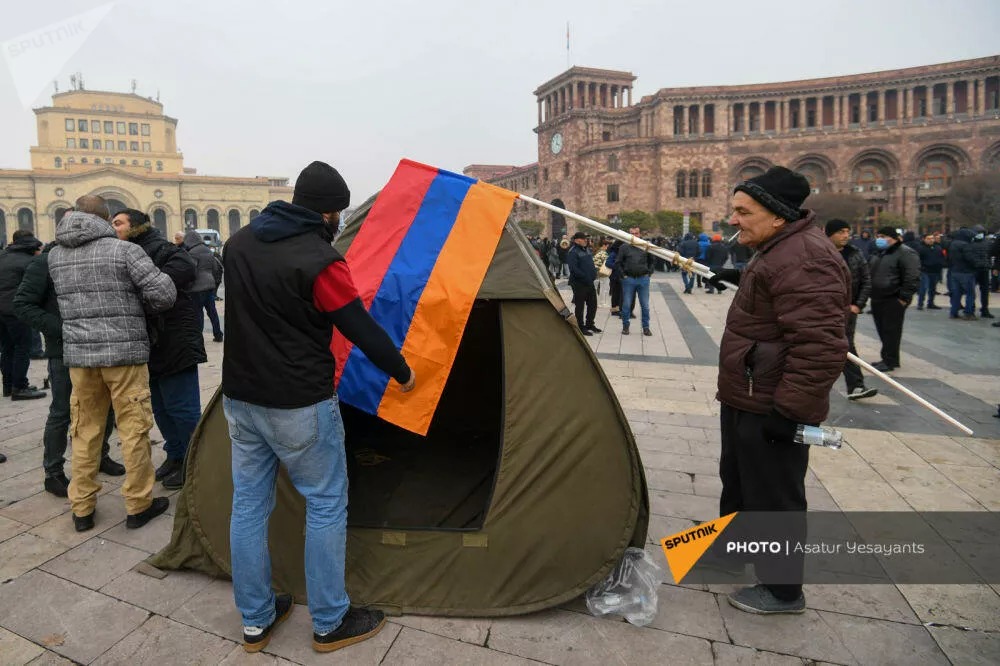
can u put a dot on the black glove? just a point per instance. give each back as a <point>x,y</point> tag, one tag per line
<point>779,429</point>
<point>727,274</point>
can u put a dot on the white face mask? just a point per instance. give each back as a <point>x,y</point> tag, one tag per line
<point>978,236</point>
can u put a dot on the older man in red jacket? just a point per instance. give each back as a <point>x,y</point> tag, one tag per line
<point>783,349</point>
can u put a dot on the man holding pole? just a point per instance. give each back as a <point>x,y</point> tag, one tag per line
<point>782,350</point>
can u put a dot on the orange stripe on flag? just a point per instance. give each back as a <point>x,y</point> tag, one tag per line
<point>443,310</point>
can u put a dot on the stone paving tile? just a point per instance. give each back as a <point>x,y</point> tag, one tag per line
<point>679,505</point>
<point>562,637</point>
<point>690,612</point>
<point>240,657</point>
<point>214,611</point>
<point>163,641</point>
<point>662,526</point>
<point>926,489</point>
<point>680,463</point>
<point>71,620</point>
<point>50,659</point>
<point>151,537</point>
<point>735,655</point>
<point>418,647</point>
<point>60,529</point>
<point>15,650</point>
<point>968,647</point>
<point>974,606</point>
<point>657,444</point>
<point>667,480</point>
<point>20,462</point>
<point>939,450</point>
<point>36,509</point>
<point>979,482</point>
<point>854,495</point>
<point>987,449</point>
<point>94,563</point>
<point>878,601</point>
<point>805,635</point>
<point>707,485</point>
<point>11,528</point>
<point>293,641</point>
<point>467,630</point>
<point>880,642</point>
<point>19,487</point>
<point>159,595</point>
<point>25,552</point>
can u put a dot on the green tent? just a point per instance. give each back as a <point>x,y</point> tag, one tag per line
<point>525,492</point>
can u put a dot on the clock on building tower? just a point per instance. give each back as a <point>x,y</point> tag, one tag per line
<point>556,144</point>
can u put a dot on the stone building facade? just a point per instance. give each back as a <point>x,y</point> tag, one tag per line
<point>896,138</point>
<point>121,146</point>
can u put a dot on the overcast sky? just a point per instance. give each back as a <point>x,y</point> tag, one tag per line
<point>263,88</point>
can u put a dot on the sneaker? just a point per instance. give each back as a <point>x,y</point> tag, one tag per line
<point>57,485</point>
<point>624,330</point>
<point>168,467</point>
<point>965,317</point>
<point>759,600</point>
<point>3,458</point>
<point>174,480</point>
<point>881,366</point>
<point>217,338</point>
<point>986,315</point>
<point>594,329</point>
<point>646,331</point>
<point>256,639</point>
<point>82,524</point>
<point>862,392</point>
<point>137,520</point>
<point>358,624</point>
<point>586,332</point>
<point>28,393</point>
<point>111,468</point>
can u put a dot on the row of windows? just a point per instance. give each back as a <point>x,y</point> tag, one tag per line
<point>110,127</point>
<point>108,160</point>
<point>97,144</point>
<point>687,183</point>
<point>26,219</point>
<point>212,219</point>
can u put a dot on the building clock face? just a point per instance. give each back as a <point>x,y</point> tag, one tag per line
<point>556,144</point>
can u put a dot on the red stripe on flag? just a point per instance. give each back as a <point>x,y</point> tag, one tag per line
<point>373,249</point>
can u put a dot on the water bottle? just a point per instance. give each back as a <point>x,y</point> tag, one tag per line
<point>818,436</point>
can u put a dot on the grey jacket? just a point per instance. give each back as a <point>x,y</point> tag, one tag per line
<point>102,284</point>
<point>205,279</point>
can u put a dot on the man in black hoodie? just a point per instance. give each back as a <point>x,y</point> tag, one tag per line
<point>286,288</point>
<point>931,264</point>
<point>895,272</point>
<point>15,335</point>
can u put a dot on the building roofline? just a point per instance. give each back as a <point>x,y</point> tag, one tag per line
<point>108,92</point>
<point>590,72</point>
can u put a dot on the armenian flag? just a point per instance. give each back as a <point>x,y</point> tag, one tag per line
<point>418,262</point>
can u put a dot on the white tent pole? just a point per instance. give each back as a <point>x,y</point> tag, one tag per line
<point>704,271</point>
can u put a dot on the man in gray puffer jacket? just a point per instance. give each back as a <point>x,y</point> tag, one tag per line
<point>104,288</point>
<point>202,290</point>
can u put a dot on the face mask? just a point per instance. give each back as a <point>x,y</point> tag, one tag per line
<point>979,236</point>
<point>881,243</point>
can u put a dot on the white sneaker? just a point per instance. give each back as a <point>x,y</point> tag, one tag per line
<point>862,392</point>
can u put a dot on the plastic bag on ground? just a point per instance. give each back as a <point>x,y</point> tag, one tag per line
<point>629,590</point>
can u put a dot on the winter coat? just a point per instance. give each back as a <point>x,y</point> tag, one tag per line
<point>581,265</point>
<point>103,284</point>
<point>895,273</point>
<point>633,262</point>
<point>204,260</point>
<point>13,261</point>
<point>784,344</point>
<point>175,338</point>
<point>931,258</point>
<point>866,245</point>
<point>36,305</point>
<point>861,277</point>
<point>716,255</point>
<point>688,247</point>
<point>741,253</point>
<point>703,242</point>
<point>980,252</point>
<point>961,255</point>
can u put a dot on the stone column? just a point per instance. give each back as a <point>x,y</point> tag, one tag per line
<point>908,99</point>
<point>836,112</point>
<point>786,113</point>
<point>930,99</point>
<point>629,90</point>
<point>970,98</point>
<point>701,119</point>
<point>881,105</point>
<point>746,117</point>
<point>684,120</point>
<point>980,96</point>
<point>539,112</point>
<point>949,105</point>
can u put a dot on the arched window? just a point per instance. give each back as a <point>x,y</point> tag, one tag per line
<point>3,228</point>
<point>234,221</point>
<point>160,220</point>
<point>147,164</point>
<point>135,162</point>
<point>190,219</point>
<point>159,165</point>
<point>706,183</point>
<point>59,163</point>
<point>612,162</point>
<point>122,162</point>
<point>870,176</point>
<point>115,206</point>
<point>213,219</point>
<point>26,220</point>
<point>750,171</point>
<point>693,184</point>
<point>937,172</point>
<point>254,213</point>
<point>59,214</point>
<point>681,184</point>
<point>83,160</point>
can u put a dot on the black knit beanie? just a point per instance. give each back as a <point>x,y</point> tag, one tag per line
<point>780,190</point>
<point>321,189</point>
<point>889,231</point>
<point>835,225</point>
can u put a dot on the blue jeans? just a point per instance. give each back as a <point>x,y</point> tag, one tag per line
<point>928,284</point>
<point>688,279</point>
<point>630,286</point>
<point>176,407</point>
<point>309,441</point>
<point>962,284</point>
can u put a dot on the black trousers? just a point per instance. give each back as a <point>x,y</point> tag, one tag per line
<point>852,373</point>
<point>888,314</point>
<point>983,281</point>
<point>584,294</point>
<point>762,475</point>
<point>615,285</point>
<point>15,350</point>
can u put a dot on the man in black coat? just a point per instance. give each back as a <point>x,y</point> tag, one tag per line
<point>582,274</point>
<point>895,271</point>
<point>981,250</point>
<point>36,305</point>
<point>931,264</point>
<point>839,233</point>
<point>716,256</point>
<point>176,345</point>
<point>15,335</point>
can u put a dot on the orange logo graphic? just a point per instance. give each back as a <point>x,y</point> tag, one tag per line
<point>685,548</point>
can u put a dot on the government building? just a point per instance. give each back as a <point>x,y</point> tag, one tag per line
<point>897,139</point>
<point>122,147</point>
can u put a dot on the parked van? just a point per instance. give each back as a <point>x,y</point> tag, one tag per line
<point>211,237</point>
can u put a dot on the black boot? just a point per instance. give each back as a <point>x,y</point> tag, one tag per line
<point>169,466</point>
<point>57,485</point>
<point>27,393</point>
<point>111,468</point>
<point>174,480</point>
<point>137,520</point>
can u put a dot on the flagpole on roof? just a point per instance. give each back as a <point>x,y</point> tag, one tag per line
<point>690,265</point>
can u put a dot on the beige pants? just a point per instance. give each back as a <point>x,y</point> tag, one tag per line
<point>94,390</point>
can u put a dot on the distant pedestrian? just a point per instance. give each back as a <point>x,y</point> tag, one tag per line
<point>202,290</point>
<point>15,335</point>
<point>636,266</point>
<point>962,261</point>
<point>688,249</point>
<point>981,248</point>
<point>582,274</point>
<point>895,270</point>
<point>716,257</point>
<point>931,264</point>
